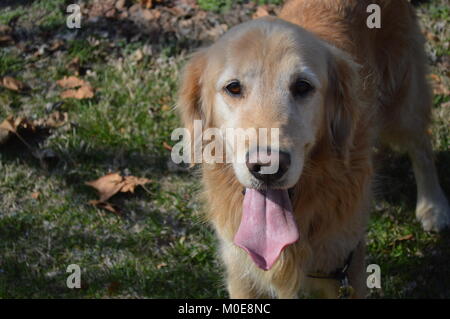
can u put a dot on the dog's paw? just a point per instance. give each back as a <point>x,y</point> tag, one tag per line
<point>434,215</point>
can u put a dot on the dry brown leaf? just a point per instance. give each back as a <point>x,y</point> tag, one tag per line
<point>12,84</point>
<point>12,124</point>
<point>70,82</point>
<point>261,11</point>
<point>130,183</point>
<point>56,119</point>
<point>9,124</point>
<point>84,92</point>
<point>35,195</point>
<point>107,185</point>
<point>112,183</point>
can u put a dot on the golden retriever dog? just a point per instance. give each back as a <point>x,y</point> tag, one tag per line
<point>333,88</point>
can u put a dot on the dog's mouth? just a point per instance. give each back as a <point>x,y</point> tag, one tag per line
<point>267,225</point>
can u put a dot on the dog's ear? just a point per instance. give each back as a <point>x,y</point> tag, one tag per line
<point>189,97</point>
<point>342,101</point>
<point>189,102</point>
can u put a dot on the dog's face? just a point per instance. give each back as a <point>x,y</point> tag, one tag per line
<point>270,74</point>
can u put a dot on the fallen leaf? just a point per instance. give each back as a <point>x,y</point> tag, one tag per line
<point>80,89</point>
<point>71,82</point>
<point>56,119</point>
<point>12,84</point>
<point>12,125</point>
<point>35,195</point>
<point>84,92</point>
<point>53,120</point>
<point>107,185</point>
<point>112,183</point>
<point>9,124</point>
<point>131,182</point>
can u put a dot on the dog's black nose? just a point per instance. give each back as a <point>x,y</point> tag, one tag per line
<point>269,169</point>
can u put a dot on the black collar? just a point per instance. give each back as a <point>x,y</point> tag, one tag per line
<point>341,275</point>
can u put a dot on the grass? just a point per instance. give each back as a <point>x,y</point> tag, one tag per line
<point>161,248</point>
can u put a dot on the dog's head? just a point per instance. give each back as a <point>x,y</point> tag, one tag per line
<point>271,74</point>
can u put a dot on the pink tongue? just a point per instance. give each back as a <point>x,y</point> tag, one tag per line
<point>267,226</point>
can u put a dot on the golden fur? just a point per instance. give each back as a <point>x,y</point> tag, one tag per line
<point>373,87</point>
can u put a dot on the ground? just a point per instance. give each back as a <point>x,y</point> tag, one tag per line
<point>154,244</point>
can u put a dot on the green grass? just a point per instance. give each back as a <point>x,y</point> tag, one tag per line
<point>161,247</point>
<point>225,5</point>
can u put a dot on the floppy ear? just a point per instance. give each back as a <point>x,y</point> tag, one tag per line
<point>342,101</point>
<point>189,98</point>
<point>189,102</point>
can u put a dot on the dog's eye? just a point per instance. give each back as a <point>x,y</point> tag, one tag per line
<point>234,88</point>
<point>301,88</point>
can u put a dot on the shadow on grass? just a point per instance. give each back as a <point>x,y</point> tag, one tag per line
<point>395,182</point>
<point>15,3</point>
<point>425,274</point>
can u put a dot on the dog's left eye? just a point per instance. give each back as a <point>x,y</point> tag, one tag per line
<point>301,88</point>
<point>234,88</point>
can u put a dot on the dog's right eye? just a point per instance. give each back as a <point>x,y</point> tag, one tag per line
<point>301,88</point>
<point>234,88</point>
